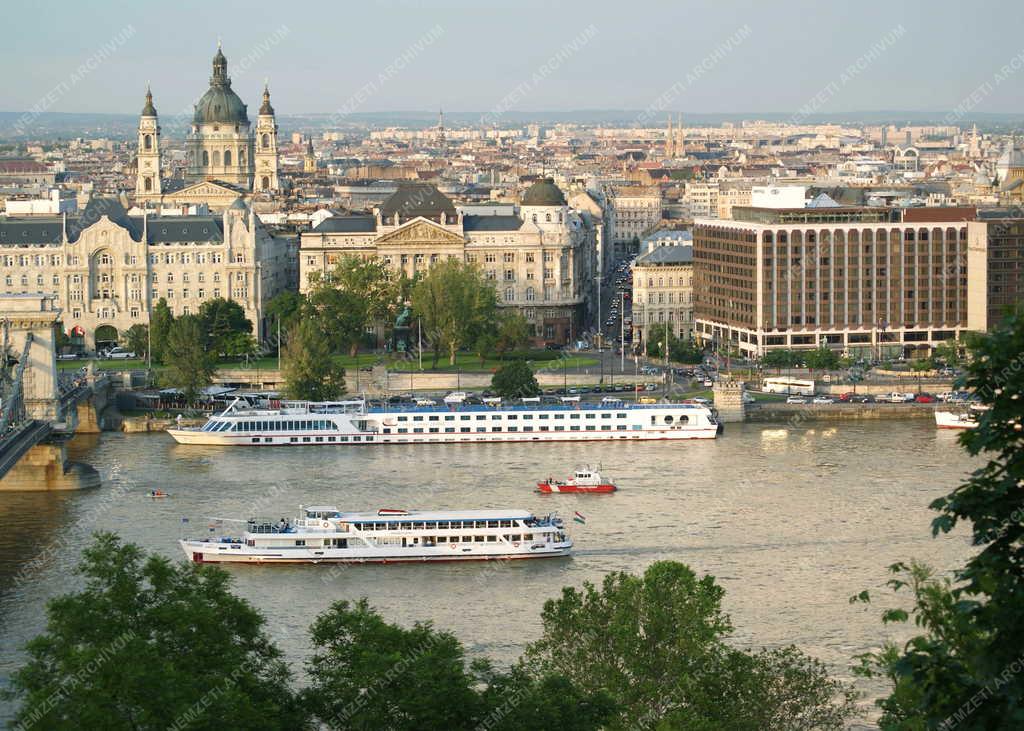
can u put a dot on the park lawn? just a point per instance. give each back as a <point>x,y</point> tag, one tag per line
<point>759,396</point>
<point>468,362</point>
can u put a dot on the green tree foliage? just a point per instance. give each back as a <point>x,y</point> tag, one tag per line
<point>310,370</point>
<point>456,303</point>
<point>368,674</point>
<point>285,308</point>
<point>150,644</point>
<point>160,321</point>
<point>782,359</point>
<point>821,358</point>
<point>948,352</point>
<point>513,331</point>
<point>680,351</point>
<point>965,669</point>
<point>339,316</point>
<point>61,339</point>
<point>190,366</point>
<point>515,379</point>
<point>137,339</point>
<point>220,320</point>
<point>520,699</point>
<point>656,644</point>
<point>373,282</point>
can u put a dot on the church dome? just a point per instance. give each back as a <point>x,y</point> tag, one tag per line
<point>220,103</point>
<point>543,193</point>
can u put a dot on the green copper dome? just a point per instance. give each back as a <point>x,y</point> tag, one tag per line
<point>220,104</point>
<point>543,193</point>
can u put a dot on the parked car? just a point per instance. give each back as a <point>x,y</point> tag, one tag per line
<point>823,400</point>
<point>68,356</point>
<point>796,400</point>
<point>118,353</point>
<point>924,398</point>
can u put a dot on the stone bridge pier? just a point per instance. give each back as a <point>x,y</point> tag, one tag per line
<point>38,441</point>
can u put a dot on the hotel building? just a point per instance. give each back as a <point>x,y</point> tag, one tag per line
<point>859,280</point>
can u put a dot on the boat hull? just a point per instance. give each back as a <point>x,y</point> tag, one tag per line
<point>213,552</point>
<point>951,420</point>
<point>548,488</point>
<point>196,437</point>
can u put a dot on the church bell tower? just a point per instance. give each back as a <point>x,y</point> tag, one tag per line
<point>147,184</point>
<point>265,157</point>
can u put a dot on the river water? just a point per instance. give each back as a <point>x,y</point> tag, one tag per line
<point>791,522</point>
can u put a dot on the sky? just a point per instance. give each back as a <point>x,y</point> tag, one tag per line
<point>791,57</point>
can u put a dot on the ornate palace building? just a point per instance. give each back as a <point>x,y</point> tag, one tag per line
<point>541,259</point>
<point>226,155</point>
<point>107,269</point>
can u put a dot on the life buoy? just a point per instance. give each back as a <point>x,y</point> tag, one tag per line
<point>326,524</point>
<point>515,545</point>
<point>454,546</point>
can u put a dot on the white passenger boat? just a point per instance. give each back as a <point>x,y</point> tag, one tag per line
<point>959,419</point>
<point>283,423</point>
<point>324,535</point>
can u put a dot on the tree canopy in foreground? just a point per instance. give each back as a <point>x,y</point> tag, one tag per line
<point>966,670</point>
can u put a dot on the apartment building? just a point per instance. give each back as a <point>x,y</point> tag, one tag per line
<point>663,291</point>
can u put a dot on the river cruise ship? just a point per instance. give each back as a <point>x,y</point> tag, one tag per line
<point>323,534</point>
<point>298,423</point>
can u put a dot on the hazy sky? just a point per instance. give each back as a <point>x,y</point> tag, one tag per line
<point>925,55</point>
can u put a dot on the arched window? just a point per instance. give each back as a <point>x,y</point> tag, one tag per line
<point>148,142</point>
<point>534,218</point>
<point>265,141</point>
<point>216,158</point>
<point>241,157</point>
<point>227,157</point>
<point>510,294</point>
<point>206,157</point>
<point>559,217</point>
<point>547,217</point>
<point>266,183</point>
<point>147,184</point>
<point>530,294</point>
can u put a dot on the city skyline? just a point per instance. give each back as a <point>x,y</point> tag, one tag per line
<point>529,58</point>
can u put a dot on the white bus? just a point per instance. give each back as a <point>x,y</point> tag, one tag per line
<point>785,384</point>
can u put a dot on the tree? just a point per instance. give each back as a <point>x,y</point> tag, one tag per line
<point>310,371</point>
<point>965,668</point>
<point>239,345</point>
<point>781,359</point>
<point>513,332</point>
<point>151,644</point>
<point>656,644</point>
<point>339,316</point>
<point>520,699</point>
<point>190,366</point>
<point>137,339</point>
<point>368,674</point>
<point>515,379</point>
<point>456,304</point>
<point>220,320</point>
<point>947,352</point>
<point>681,351</point>
<point>61,339</point>
<point>821,358</point>
<point>285,308</point>
<point>160,322</point>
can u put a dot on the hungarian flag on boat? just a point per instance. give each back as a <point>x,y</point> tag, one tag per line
<point>579,518</point>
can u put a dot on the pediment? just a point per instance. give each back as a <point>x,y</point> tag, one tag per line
<point>421,231</point>
<point>204,188</point>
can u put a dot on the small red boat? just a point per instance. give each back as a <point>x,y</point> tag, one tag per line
<point>582,480</point>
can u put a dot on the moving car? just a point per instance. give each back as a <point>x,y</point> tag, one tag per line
<point>823,400</point>
<point>796,400</point>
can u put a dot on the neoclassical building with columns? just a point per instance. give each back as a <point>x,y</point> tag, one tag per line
<point>541,258</point>
<point>226,155</point>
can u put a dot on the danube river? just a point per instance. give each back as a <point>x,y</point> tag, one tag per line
<point>791,521</point>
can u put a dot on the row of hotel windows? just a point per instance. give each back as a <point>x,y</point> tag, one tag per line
<point>76,295</point>
<point>684,298</point>
<point>661,281</point>
<point>483,429</point>
<point>441,525</point>
<point>105,259</point>
<point>510,274</point>
<point>510,417</point>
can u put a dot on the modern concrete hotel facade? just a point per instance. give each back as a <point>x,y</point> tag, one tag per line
<point>859,280</point>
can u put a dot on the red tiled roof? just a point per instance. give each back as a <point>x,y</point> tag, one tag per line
<point>22,166</point>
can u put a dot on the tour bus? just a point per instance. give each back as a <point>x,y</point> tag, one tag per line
<point>785,384</point>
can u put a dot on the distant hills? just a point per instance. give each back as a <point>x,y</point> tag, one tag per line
<point>53,125</point>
